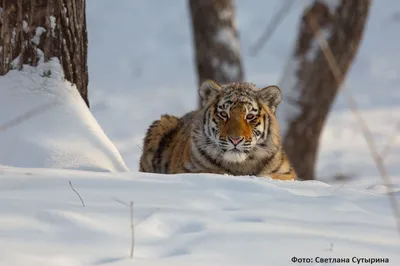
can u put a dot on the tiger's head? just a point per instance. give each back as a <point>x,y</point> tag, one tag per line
<point>239,121</point>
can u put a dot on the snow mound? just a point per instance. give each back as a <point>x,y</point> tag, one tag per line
<point>45,123</point>
<point>188,219</point>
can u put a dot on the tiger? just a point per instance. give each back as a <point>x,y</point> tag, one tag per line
<point>234,132</point>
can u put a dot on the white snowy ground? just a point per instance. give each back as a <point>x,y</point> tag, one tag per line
<point>186,219</point>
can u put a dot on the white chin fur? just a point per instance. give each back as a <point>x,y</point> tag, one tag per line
<point>234,157</point>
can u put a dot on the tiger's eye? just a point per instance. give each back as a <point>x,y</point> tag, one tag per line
<point>250,116</point>
<point>223,114</point>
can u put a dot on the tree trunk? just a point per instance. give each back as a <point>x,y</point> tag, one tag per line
<point>33,31</point>
<point>308,85</point>
<point>216,41</point>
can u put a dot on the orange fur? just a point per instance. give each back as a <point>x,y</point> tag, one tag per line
<point>190,144</point>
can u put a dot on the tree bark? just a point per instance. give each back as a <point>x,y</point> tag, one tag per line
<point>216,41</point>
<point>308,85</point>
<point>33,31</point>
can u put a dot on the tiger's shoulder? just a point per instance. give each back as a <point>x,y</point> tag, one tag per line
<point>161,139</point>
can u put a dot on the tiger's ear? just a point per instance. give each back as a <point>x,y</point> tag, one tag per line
<point>208,90</point>
<point>272,96</point>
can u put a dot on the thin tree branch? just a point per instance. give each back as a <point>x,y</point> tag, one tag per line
<point>132,224</point>
<point>390,143</point>
<point>337,73</point>
<point>27,115</point>
<point>132,231</point>
<point>271,27</point>
<point>121,202</point>
<point>70,184</point>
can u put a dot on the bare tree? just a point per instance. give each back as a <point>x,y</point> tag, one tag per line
<point>37,30</point>
<point>216,41</point>
<point>308,85</point>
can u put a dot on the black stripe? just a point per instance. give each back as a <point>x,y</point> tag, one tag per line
<point>213,161</point>
<point>205,119</point>
<point>194,161</point>
<point>228,102</point>
<point>164,144</point>
<point>269,127</point>
<point>279,166</point>
<point>262,165</point>
<point>209,158</point>
<point>264,128</point>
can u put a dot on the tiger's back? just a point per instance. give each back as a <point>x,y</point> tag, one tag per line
<point>242,139</point>
<point>165,143</point>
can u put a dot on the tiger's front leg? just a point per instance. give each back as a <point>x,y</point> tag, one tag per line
<point>288,176</point>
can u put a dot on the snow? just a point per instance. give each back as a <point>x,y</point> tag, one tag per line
<point>227,37</point>
<point>48,137</point>
<point>358,164</point>
<point>40,55</point>
<point>230,70</point>
<point>25,26</point>
<point>45,123</point>
<point>225,14</point>
<point>39,32</point>
<point>14,34</point>
<point>53,25</point>
<point>187,220</point>
<point>315,46</point>
<point>331,4</point>
<point>14,64</point>
<point>288,109</point>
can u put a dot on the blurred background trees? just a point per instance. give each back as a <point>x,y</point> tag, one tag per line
<point>33,31</point>
<point>216,41</point>
<point>308,85</point>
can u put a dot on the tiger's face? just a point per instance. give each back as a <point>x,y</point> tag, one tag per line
<point>238,119</point>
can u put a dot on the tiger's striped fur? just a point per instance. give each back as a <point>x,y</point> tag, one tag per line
<point>234,132</point>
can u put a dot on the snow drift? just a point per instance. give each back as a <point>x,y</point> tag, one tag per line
<point>45,123</point>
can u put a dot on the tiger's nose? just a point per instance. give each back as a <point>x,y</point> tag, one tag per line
<point>235,140</point>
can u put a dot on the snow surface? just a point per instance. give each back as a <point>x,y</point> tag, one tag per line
<point>45,123</point>
<point>39,32</point>
<point>53,25</point>
<point>187,219</point>
<point>288,109</point>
